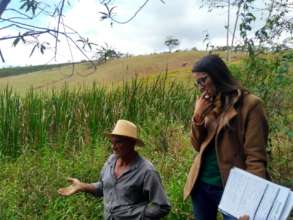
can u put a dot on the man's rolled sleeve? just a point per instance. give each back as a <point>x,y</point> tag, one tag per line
<point>99,189</point>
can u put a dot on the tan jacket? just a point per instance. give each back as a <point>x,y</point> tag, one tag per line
<point>240,137</point>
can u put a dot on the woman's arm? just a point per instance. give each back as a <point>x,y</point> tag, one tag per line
<point>197,135</point>
<point>198,130</point>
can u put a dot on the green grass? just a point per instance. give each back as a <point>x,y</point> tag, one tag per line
<point>48,135</point>
<point>31,181</point>
<point>75,118</point>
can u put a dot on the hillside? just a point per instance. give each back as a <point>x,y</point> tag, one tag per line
<point>84,74</point>
<point>13,71</point>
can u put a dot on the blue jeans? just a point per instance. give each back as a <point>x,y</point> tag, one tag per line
<point>205,200</point>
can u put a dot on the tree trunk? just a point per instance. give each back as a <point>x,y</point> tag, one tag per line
<point>236,23</point>
<point>228,29</point>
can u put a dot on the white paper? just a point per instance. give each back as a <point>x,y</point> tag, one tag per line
<point>247,194</point>
<point>267,202</point>
<point>288,207</point>
<point>279,204</point>
<point>242,194</point>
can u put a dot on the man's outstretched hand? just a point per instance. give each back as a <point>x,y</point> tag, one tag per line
<point>75,187</point>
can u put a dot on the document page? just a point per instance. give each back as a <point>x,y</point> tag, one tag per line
<point>267,202</point>
<point>288,207</point>
<point>242,194</point>
<point>279,204</point>
<point>247,194</point>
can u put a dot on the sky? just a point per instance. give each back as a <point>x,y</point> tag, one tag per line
<point>145,34</point>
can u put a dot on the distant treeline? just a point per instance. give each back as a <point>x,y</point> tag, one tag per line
<point>12,71</point>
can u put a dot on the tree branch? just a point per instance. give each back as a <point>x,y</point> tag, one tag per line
<point>58,25</point>
<point>236,22</point>
<point>25,35</point>
<point>3,6</point>
<point>1,56</point>
<point>109,14</point>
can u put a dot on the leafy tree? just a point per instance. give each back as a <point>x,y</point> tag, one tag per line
<point>171,42</point>
<point>106,53</point>
<point>276,20</point>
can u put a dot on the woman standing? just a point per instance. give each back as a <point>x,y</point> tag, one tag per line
<point>229,128</point>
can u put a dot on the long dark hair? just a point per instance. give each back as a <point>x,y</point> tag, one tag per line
<point>221,76</point>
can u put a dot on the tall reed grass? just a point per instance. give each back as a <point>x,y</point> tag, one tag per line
<point>78,117</point>
<point>57,134</point>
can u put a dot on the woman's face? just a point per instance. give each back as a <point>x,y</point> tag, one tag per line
<point>205,83</point>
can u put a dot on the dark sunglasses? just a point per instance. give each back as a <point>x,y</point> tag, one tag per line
<point>202,81</point>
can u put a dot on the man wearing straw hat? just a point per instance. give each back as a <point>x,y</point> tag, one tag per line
<point>130,186</point>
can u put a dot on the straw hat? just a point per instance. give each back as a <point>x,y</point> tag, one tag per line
<point>127,129</point>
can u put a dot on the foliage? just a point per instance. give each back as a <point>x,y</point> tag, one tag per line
<point>276,24</point>
<point>30,184</point>
<point>171,42</point>
<point>264,24</point>
<point>51,137</point>
<point>69,118</point>
<point>46,137</point>
<point>106,53</point>
<point>269,78</point>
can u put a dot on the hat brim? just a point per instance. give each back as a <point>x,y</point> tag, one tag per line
<point>139,142</point>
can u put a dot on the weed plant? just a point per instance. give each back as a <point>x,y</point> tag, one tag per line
<point>46,137</point>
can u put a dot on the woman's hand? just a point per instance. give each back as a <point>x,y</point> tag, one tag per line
<point>202,106</point>
<point>75,187</point>
<point>245,217</point>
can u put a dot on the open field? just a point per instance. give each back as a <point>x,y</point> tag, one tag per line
<point>47,135</point>
<point>176,64</point>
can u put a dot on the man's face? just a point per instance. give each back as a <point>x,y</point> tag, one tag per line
<point>122,146</point>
